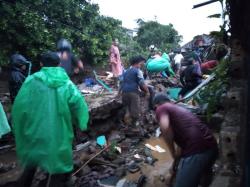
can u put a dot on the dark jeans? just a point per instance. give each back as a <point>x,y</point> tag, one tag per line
<point>196,169</point>
<point>56,180</point>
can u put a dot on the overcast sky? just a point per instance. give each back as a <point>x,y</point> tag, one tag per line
<point>187,21</point>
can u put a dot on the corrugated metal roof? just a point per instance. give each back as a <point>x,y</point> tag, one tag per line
<point>208,40</point>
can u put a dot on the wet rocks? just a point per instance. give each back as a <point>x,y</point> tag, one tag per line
<point>102,105</point>
<point>7,167</point>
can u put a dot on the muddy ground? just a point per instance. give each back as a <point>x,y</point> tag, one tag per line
<point>106,119</point>
<point>133,165</point>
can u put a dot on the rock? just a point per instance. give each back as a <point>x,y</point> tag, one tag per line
<point>216,120</point>
<point>115,136</point>
<point>147,152</point>
<point>110,181</point>
<point>84,171</point>
<point>120,172</point>
<point>162,178</point>
<point>133,167</point>
<point>101,106</point>
<point>125,183</point>
<point>150,160</point>
<point>104,176</point>
<point>119,161</point>
<point>125,146</point>
<point>77,163</point>
<point>109,170</point>
<point>121,183</point>
<point>92,149</point>
<point>141,181</point>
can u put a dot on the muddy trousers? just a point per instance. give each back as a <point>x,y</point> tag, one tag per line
<point>58,180</point>
<point>196,169</point>
<point>131,101</point>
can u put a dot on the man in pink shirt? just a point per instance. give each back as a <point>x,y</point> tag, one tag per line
<point>115,60</point>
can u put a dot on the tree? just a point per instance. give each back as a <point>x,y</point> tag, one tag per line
<point>31,27</point>
<point>163,37</point>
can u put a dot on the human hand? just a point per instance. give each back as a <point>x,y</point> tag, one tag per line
<point>205,76</point>
<point>76,70</point>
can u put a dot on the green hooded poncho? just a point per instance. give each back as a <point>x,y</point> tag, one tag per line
<point>43,113</point>
<point>4,125</point>
<point>160,64</point>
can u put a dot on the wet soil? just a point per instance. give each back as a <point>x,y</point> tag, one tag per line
<point>156,175</point>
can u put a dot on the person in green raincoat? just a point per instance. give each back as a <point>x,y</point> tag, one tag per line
<point>160,64</point>
<point>4,125</point>
<point>46,107</point>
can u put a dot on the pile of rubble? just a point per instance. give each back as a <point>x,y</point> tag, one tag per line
<point>132,155</point>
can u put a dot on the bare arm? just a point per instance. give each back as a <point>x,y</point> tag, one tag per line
<point>141,82</point>
<point>168,134</point>
<point>144,87</point>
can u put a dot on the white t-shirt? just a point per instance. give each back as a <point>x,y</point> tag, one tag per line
<point>178,58</point>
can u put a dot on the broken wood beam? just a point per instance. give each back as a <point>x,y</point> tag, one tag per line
<point>205,3</point>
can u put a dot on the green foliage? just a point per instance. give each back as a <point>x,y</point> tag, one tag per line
<point>225,27</point>
<point>33,26</point>
<point>129,47</point>
<point>30,27</point>
<point>164,37</point>
<point>213,92</point>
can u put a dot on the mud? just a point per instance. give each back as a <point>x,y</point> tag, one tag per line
<point>106,115</point>
<point>157,174</point>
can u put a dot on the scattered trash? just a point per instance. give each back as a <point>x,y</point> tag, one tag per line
<point>137,156</point>
<point>97,88</point>
<point>126,183</point>
<point>83,91</point>
<point>89,82</point>
<point>110,75</point>
<point>118,149</point>
<point>7,147</point>
<point>101,141</point>
<point>158,132</point>
<point>102,83</point>
<point>121,183</point>
<point>82,146</point>
<point>108,182</point>
<point>159,149</point>
<point>156,148</point>
<point>151,147</point>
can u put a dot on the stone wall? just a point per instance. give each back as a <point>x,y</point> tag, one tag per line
<point>234,134</point>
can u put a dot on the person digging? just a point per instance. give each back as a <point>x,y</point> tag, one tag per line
<point>196,147</point>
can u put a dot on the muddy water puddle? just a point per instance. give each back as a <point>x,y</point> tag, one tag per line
<point>155,174</point>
